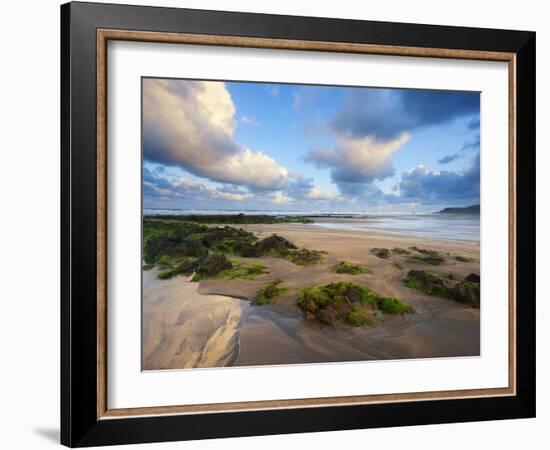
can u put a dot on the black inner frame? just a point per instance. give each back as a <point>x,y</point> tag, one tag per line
<point>79,423</point>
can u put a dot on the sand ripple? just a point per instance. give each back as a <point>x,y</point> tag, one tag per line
<point>184,329</point>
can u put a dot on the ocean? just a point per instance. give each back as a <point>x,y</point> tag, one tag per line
<point>431,225</point>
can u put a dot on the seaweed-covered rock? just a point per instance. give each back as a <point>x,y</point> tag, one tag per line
<point>213,264</point>
<point>429,282</point>
<point>332,313</point>
<point>392,305</point>
<point>465,292</point>
<point>269,293</point>
<point>401,251</point>
<point>353,303</point>
<point>275,245</point>
<point>381,252</point>
<point>305,257</point>
<point>428,257</point>
<point>359,317</point>
<point>214,236</point>
<point>346,267</point>
<point>434,259</point>
<point>246,249</point>
<point>190,248</point>
<point>472,278</point>
<point>172,245</point>
<point>160,245</point>
<point>187,266</point>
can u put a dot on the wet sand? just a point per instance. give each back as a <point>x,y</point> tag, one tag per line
<point>183,329</point>
<point>207,325</point>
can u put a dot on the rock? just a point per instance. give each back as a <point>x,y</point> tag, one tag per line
<point>188,266</point>
<point>275,244</point>
<point>435,259</point>
<point>331,315</point>
<point>173,245</point>
<point>247,249</point>
<point>428,257</point>
<point>214,264</point>
<point>465,292</point>
<point>190,248</point>
<point>472,278</point>
<point>305,257</point>
<point>346,267</point>
<point>354,294</point>
<point>216,235</point>
<point>345,301</point>
<point>463,258</point>
<point>271,291</point>
<point>401,251</point>
<point>381,252</point>
<point>428,282</point>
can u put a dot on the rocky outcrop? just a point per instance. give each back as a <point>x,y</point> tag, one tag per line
<point>213,264</point>
<point>466,291</point>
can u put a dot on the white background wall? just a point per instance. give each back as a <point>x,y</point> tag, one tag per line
<point>29,237</point>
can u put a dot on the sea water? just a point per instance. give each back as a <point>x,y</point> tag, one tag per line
<point>431,225</point>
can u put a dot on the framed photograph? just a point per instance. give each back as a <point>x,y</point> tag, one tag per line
<point>276,224</point>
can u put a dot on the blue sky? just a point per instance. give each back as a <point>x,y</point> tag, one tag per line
<point>242,145</point>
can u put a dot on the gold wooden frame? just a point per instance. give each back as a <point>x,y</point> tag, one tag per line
<point>103,36</point>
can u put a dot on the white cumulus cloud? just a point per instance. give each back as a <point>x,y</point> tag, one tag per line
<point>358,161</point>
<point>190,124</point>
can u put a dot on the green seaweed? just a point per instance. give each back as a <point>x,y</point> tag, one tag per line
<point>346,267</point>
<point>305,257</point>
<point>392,305</point>
<point>238,270</point>
<point>352,303</point>
<point>267,294</point>
<point>466,291</point>
<point>359,317</point>
<point>397,265</point>
<point>401,251</point>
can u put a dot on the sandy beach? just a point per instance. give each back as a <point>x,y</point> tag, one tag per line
<point>212,323</point>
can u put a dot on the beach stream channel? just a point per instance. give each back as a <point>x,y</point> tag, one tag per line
<point>184,329</point>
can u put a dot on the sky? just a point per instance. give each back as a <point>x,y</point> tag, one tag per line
<point>288,147</point>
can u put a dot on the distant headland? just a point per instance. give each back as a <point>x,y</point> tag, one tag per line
<point>473,209</point>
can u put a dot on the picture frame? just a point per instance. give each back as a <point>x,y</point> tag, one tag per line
<point>86,28</point>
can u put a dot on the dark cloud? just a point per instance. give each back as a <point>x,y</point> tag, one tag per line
<point>231,189</point>
<point>385,114</point>
<point>159,188</point>
<point>358,189</point>
<point>299,186</point>
<point>473,144</point>
<point>474,123</point>
<point>375,123</point>
<point>449,158</point>
<point>439,187</point>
